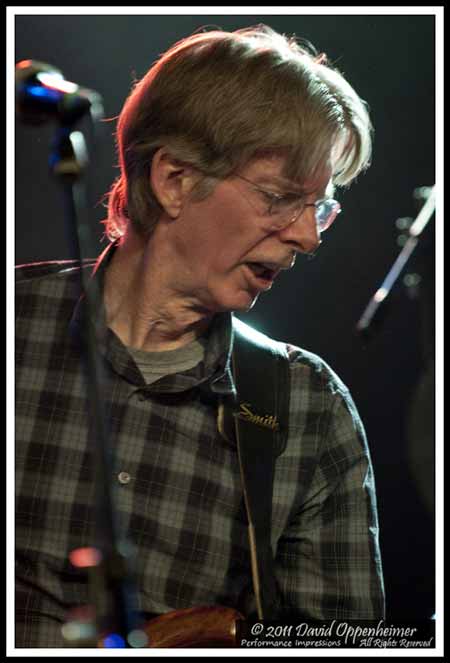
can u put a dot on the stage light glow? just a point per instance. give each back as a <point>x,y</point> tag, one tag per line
<point>113,641</point>
<point>137,638</point>
<point>85,557</point>
<point>76,631</point>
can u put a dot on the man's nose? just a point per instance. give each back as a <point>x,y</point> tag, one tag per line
<point>303,234</point>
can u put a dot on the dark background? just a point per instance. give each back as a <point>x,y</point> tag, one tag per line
<point>390,62</point>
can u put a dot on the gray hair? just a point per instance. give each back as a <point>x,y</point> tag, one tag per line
<point>217,99</point>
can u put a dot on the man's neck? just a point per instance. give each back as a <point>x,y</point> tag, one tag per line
<point>140,305</point>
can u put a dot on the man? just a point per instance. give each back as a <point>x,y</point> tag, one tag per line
<point>230,149</point>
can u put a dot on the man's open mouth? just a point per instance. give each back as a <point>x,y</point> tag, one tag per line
<point>261,271</point>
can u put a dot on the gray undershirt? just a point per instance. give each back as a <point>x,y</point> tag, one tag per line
<point>155,365</point>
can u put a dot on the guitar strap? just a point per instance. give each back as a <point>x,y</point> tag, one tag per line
<point>260,412</point>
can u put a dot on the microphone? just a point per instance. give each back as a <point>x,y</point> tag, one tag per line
<point>43,94</point>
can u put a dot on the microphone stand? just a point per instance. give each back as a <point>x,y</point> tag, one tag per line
<point>68,163</point>
<point>366,323</point>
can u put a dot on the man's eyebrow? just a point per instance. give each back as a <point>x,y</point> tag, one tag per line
<point>295,189</point>
<point>284,185</point>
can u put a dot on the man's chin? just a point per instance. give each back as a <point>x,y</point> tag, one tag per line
<point>244,303</point>
<point>239,302</point>
<point>245,309</point>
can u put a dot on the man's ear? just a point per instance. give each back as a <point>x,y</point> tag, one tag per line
<point>171,181</point>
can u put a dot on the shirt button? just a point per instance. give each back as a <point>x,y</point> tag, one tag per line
<point>124,477</point>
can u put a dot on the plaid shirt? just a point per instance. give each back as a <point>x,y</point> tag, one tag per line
<point>175,478</point>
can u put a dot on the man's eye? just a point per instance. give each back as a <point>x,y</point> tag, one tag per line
<point>271,197</point>
<point>282,201</point>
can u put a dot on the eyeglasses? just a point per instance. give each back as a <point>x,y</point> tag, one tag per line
<point>286,208</point>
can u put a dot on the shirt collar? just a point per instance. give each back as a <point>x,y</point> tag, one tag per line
<point>213,373</point>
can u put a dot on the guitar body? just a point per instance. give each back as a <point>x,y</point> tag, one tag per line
<point>203,626</point>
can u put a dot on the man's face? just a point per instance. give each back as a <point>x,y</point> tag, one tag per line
<point>228,247</point>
